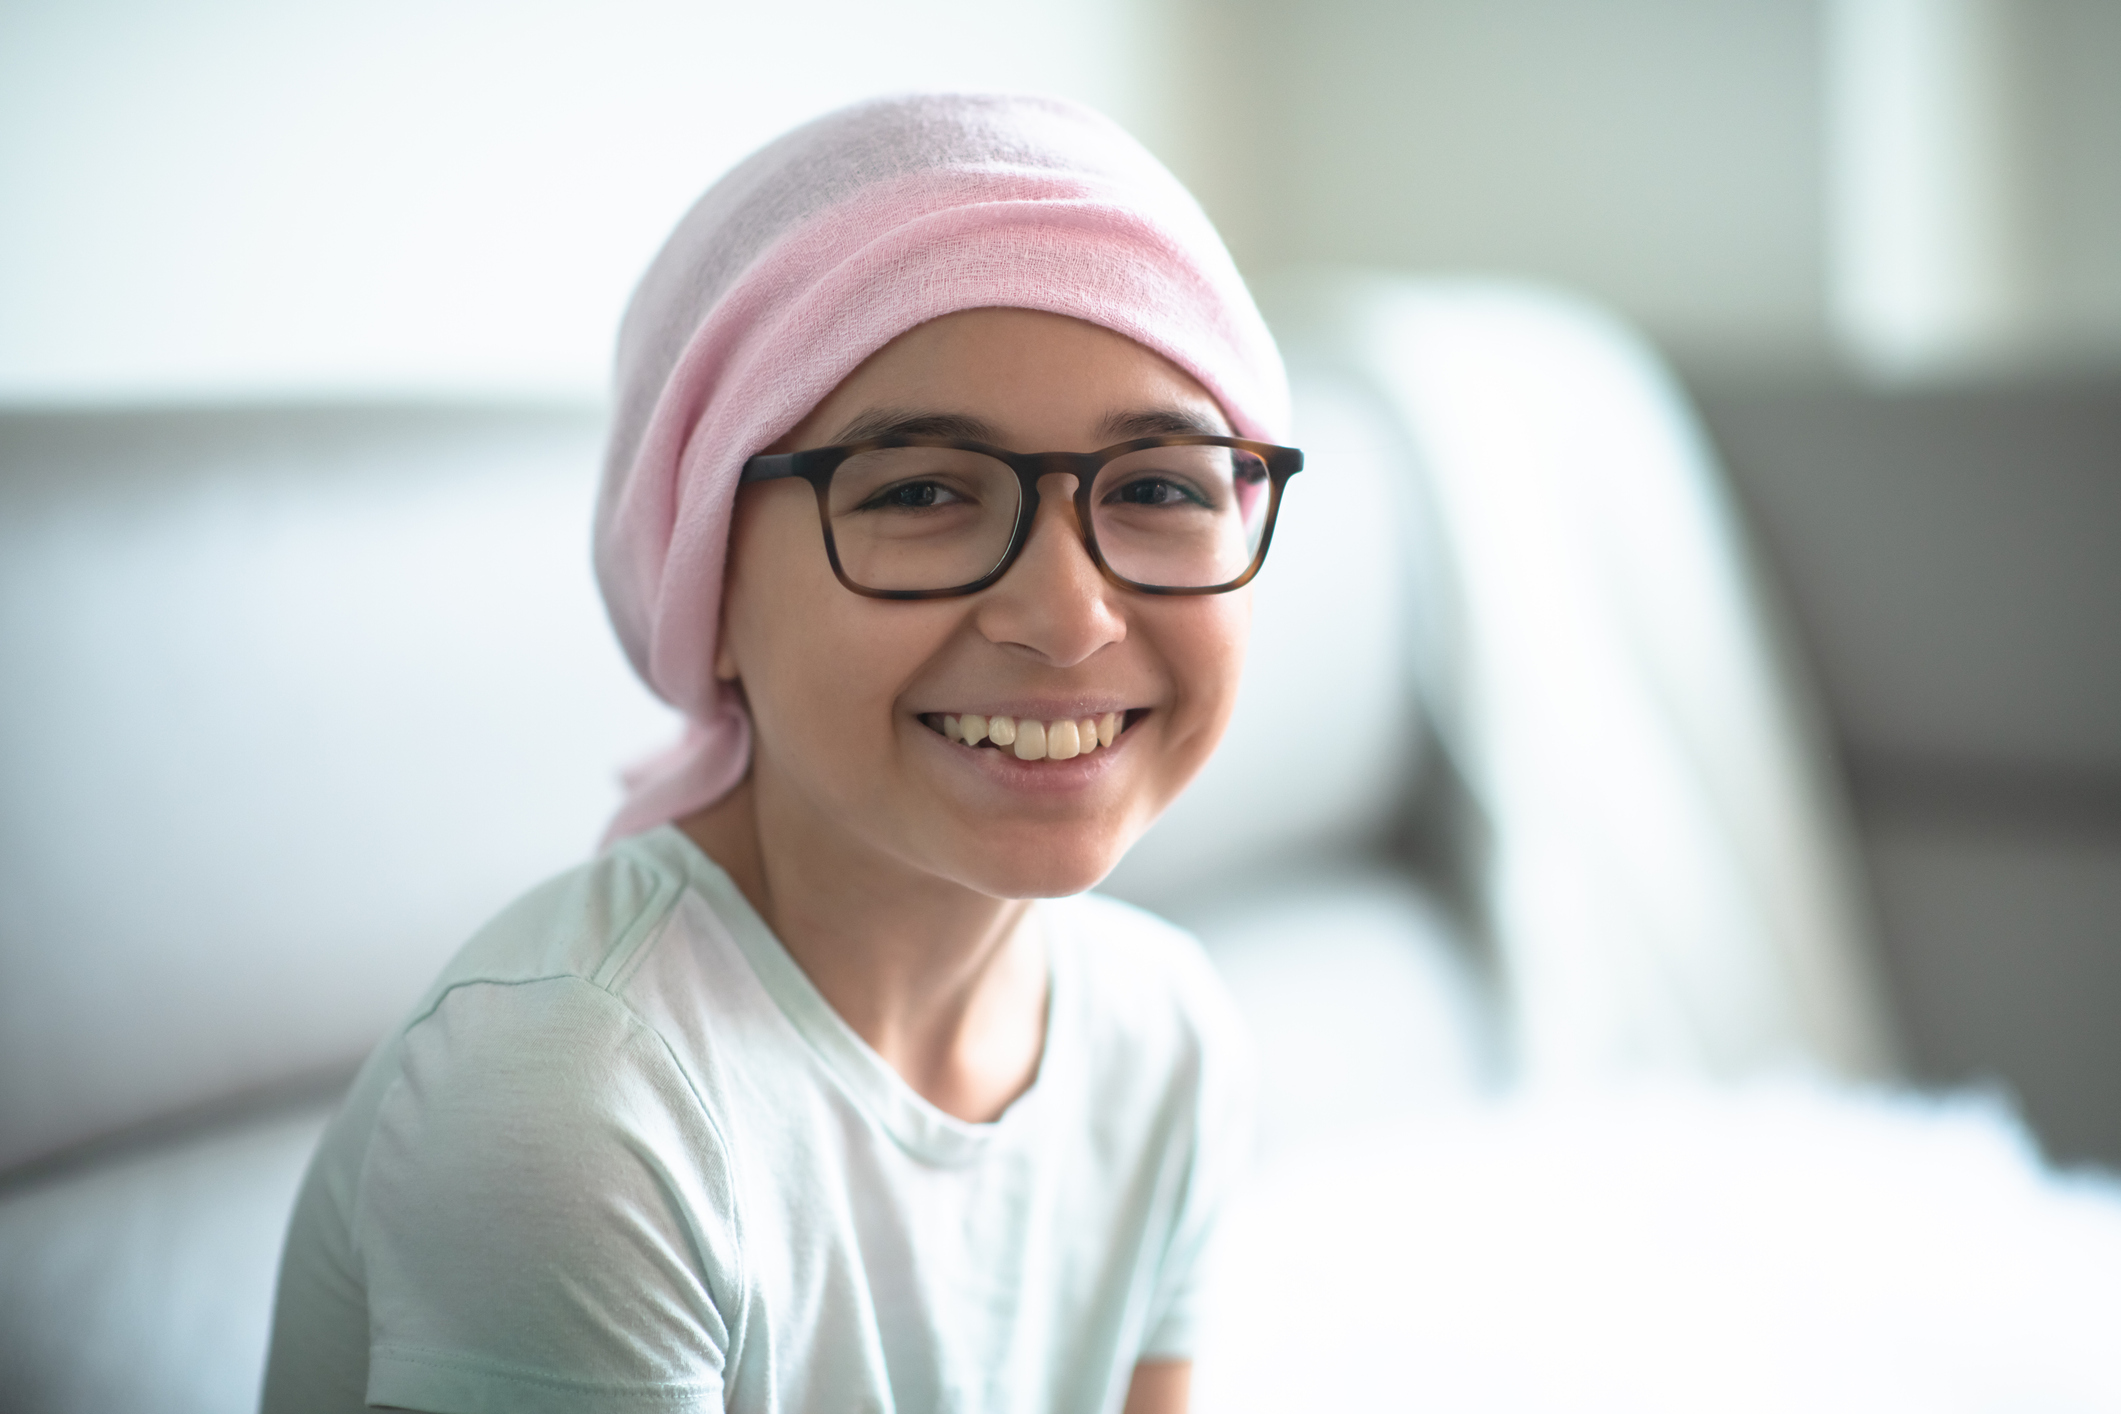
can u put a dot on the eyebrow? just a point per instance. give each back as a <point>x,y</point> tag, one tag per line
<point>962,427</point>
<point>901,422</point>
<point>1159,422</point>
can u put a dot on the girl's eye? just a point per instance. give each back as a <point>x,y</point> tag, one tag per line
<point>912,496</point>
<point>1155,491</point>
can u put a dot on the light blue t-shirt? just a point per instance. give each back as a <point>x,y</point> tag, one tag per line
<point>624,1156</point>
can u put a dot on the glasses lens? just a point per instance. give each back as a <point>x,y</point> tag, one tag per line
<point>921,517</point>
<point>1181,517</point>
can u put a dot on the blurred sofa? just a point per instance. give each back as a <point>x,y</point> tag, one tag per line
<point>1523,789</point>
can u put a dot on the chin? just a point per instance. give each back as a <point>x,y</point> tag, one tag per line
<point>1061,870</point>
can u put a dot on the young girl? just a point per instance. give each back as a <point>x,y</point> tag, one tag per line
<point>926,504</point>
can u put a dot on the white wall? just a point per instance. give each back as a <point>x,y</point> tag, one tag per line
<point>1976,190</point>
<point>1671,157</point>
<point>1661,154</point>
<point>2073,88</point>
<point>235,197</point>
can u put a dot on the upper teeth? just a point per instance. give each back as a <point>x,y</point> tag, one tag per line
<point>1033,740</point>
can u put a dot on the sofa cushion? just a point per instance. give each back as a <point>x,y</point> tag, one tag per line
<point>145,1282</point>
<point>295,698</point>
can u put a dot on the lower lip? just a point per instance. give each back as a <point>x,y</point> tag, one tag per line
<point>1000,765</point>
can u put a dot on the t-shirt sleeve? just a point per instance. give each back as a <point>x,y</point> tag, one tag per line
<point>1216,1159</point>
<point>544,1216</point>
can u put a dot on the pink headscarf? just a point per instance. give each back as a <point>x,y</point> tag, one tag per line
<point>814,253</point>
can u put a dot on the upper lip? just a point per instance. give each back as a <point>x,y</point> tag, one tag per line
<point>1048,710</point>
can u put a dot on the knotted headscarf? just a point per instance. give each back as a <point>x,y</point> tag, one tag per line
<point>810,256</point>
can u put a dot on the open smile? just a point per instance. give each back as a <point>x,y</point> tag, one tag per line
<point>1028,738</point>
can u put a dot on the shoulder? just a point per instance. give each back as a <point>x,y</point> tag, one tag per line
<point>1134,952</point>
<point>525,1071</point>
<point>1148,987</point>
<point>528,1038</point>
<point>586,923</point>
<point>543,1199</point>
<point>539,1054</point>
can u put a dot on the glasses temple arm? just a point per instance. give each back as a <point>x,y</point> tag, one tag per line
<point>769,468</point>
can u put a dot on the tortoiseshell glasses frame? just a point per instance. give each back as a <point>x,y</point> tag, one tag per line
<point>818,465</point>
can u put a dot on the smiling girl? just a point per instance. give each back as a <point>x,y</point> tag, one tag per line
<point>942,457</point>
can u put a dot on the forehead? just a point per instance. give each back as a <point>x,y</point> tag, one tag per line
<point>1024,374</point>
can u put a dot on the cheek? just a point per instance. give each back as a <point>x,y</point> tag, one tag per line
<point>819,675</point>
<point>821,667</point>
<point>1203,642</point>
<point>781,631</point>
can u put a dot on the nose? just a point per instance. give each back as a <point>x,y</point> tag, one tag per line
<point>1053,601</point>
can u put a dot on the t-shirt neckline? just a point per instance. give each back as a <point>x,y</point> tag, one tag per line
<point>912,1121</point>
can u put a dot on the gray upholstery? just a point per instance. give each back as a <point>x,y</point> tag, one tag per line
<point>295,699</point>
<point>145,1283</point>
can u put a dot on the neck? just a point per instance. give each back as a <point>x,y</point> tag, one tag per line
<point>943,983</point>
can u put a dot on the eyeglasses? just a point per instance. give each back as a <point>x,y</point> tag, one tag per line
<point>928,518</point>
